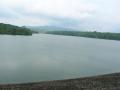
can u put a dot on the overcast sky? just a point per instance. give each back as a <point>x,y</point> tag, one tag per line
<point>100,15</point>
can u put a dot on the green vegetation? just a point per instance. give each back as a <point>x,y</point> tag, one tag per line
<point>100,35</point>
<point>14,30</point>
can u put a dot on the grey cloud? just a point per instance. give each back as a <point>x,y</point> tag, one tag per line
<point>7,13</point>
<point>106,16</point>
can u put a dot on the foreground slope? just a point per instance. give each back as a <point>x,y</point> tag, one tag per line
<point>102,82</point>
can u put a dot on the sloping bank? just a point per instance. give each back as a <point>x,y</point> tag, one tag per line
<point>102,82</point>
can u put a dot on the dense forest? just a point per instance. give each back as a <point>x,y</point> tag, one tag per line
<point>99,35</point>
<point>14,30</point>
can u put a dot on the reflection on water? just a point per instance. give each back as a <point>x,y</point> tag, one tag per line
<point>49,57</point>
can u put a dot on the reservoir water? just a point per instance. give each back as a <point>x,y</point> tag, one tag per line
<point>42,57</point>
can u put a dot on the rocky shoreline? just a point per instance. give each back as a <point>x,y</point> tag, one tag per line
<point>101,82</point>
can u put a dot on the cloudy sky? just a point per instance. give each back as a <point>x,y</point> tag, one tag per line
<point>100,15</point>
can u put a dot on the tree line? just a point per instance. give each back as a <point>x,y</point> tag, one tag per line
<point>94,34</point>
<point>14,30</point>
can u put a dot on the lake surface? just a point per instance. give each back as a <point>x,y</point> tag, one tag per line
<point>44,57</point>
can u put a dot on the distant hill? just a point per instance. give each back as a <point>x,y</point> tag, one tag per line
<point>14,30</point>
<point>75,32</point>
<point>44,29</point>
